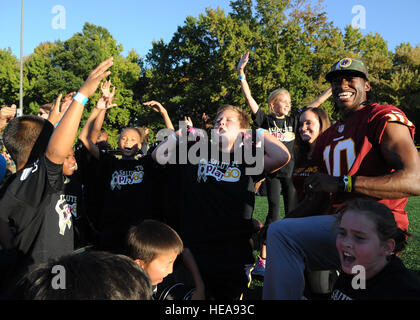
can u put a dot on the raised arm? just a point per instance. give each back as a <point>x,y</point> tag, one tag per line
<point>320,100</point>
<point>86,135</point>
<point>157,106</point>
<point>93,126</point>
<point>244,84</point>
<point>166,150</point>
<point>276,154</point>
<point>59,109</point>
<point>63,137</point>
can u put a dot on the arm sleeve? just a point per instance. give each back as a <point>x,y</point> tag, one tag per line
<point>385,115</point>
<point>260,119</point>
<point>54,174</point>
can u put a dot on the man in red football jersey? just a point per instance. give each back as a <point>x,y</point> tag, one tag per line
<point>369,153</point>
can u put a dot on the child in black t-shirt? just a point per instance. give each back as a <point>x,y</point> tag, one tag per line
<point>35,220</point>
<point>84,232</point>
<point>218,196</point>
<point>127,190</point>
<point>368,241</point>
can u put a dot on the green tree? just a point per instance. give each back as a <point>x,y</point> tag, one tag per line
<point>10,78</point>
<point>62,67</point>
<point>291,42</point>
<point>401,86</point>
<point>196,71</point>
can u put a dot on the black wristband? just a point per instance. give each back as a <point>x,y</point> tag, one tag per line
<point>341,184</point>
<point>353,183</point>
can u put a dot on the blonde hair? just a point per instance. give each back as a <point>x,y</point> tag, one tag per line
<point>275,95</point>
<point>243,116</point>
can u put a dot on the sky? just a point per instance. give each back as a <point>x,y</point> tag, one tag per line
<point>136,23</point>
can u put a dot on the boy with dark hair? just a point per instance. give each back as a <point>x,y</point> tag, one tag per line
<point>155,246</point>
<point>35,220</point>
<point>90,275</point>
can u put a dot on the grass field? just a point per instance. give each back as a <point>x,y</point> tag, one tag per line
<point>410,257</point>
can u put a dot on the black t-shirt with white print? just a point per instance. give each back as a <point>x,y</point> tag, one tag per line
<point>84,232</point>
<point>35,207</point>
<point>127,190</point>
<point>393,282</point>
<point>218,202</point>
<point>284,130</point>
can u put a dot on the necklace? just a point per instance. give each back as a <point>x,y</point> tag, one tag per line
<point>284,126</point>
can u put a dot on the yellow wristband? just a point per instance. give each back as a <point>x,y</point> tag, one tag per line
<point>348,186</point>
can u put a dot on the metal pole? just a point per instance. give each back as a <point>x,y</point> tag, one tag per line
<point>20,110</point>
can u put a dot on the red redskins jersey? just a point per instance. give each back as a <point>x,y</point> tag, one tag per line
<point>353,148</point>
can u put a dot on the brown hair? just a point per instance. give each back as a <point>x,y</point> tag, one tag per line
<point>20,136</point>
<point>150,238</point>
<point>301,147</point>
<point>381,216</point>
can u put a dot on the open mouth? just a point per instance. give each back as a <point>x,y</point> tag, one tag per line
<point>345,96</point>
<point>221,131</point>
<point>305,136</point>
<point>348,259</point>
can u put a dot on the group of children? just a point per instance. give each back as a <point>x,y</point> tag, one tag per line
<point>157,210</point>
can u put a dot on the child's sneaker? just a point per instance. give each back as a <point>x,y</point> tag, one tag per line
<point>259,269</point>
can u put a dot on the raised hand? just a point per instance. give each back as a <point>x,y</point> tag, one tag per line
<point>55,115</point>
<point>101,104</point>
<point>67,101</point>
<point>59,109</point>
<point>243,62</point>
<point>106,93</point>
<point>105,101</point>
<point>205,118</point>
<point>8,113</point>
<point>95,78</point>
<point>188,121</point>
<point>156,106</point>
<point>110,99</point>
